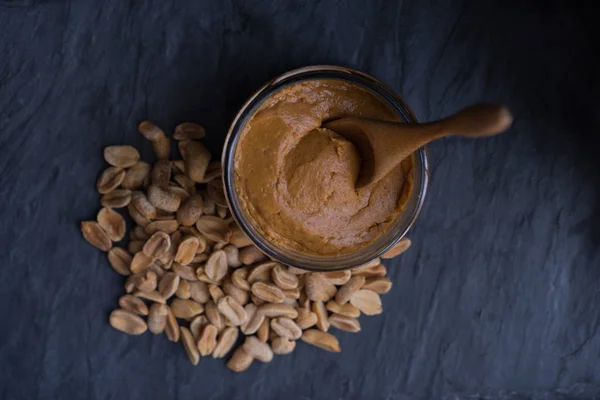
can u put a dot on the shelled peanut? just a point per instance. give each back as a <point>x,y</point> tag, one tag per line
<point>194,275</point>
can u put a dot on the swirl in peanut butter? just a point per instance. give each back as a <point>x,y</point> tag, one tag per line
<point>295,180</point>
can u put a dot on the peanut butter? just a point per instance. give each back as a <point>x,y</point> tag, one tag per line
<point>295,179</point>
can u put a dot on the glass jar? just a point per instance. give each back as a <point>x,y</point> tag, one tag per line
<point>398,228</point>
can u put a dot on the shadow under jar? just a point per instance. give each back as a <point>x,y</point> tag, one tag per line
<point>269,176</point>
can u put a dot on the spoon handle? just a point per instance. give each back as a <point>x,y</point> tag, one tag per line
<point>480,120</point>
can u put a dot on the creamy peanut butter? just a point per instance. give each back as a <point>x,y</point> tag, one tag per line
<point>295,179</point>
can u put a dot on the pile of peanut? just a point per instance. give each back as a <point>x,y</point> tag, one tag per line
<point>194,275</point>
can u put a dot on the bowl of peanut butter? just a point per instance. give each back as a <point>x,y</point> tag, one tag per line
<point>290,182</point>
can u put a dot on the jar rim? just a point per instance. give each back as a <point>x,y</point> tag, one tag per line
<point>400,226</point>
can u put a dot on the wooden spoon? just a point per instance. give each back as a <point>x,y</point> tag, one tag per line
<point>383,145</point>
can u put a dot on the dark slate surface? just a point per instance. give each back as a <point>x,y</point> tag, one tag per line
<point>498,297</point>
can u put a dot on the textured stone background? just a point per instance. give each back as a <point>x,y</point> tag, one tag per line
<point>497,299</point>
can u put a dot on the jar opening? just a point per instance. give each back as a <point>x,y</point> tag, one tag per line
<point>398,227</point>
